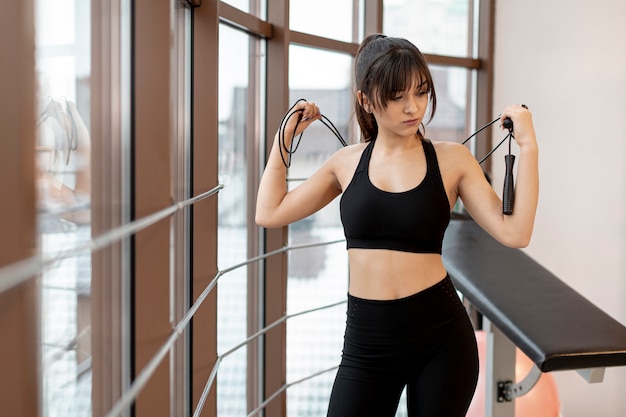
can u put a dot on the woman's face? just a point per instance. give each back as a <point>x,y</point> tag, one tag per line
<point>403,113</point>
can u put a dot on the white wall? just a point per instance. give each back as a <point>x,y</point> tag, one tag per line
<point>566,59</point>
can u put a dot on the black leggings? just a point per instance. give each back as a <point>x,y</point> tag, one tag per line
<point>424,342</point>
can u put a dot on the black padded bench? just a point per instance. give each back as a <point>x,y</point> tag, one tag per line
<point>556,327</point>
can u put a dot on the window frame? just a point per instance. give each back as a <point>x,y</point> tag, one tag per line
<point>19,321</point>
<point>124,76</point>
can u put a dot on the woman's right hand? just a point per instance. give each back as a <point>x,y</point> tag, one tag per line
<point>300,117</point>
<point>276,206</point>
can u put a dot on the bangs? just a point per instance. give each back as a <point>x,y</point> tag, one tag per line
<point>398,71</point>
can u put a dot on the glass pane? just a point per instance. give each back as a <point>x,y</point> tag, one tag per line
<point>318,275</point>
<point>63,199</point>
<point>240,4</point>
<point>254,7</point>
<point>435,27</point>
<point>452,87</point>
<point>328,18</point>
<point>232,228</point>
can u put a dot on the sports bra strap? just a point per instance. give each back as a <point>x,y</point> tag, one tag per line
<point>431,158</point>
<point>365,158</point>
<point>429,150</point>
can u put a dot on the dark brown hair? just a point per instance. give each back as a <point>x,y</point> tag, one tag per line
<point>383,67</point>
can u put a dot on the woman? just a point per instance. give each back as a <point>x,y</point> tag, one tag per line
<point>405,325</point>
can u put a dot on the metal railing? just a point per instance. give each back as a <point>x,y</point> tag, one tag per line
<point>28,268</point>
<point>21,271</point>
<point>143,377</point>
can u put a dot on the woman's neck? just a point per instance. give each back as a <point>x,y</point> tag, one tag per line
<point>395,142</point>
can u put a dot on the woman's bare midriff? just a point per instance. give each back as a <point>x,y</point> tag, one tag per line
<point>381,274</point>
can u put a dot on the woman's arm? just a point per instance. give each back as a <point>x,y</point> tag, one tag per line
<point>483,204</point>
<point>275,205</point>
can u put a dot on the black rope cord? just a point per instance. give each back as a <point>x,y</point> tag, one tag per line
<point>508,124</point>
<point>508,192</point>
<point>293,145</point>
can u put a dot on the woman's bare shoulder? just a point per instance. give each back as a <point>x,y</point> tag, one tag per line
<point>348,153</point>
<point>355,147</point>
<point>343,163</point>
<point>451,152</point>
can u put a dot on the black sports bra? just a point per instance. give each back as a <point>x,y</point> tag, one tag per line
<point>408,221</point>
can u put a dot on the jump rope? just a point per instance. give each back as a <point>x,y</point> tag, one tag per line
<point>291,149</point>
<point>508,193</point>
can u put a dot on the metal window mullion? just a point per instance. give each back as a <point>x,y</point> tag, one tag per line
<point>275,268</point>
<point>204,163</point>
<point>19,319</point>
<point>152,138</point>
<point>180,378</point>
<point>373,16</point>
<point>320,42</point>
<point>484,82</point>
<point>255,294</point>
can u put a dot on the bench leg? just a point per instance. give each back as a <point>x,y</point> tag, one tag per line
<point>500,368</point>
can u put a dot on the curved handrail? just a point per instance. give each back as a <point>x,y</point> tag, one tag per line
<point>21,271</point>
<point>143,377</point>
<point>286,386</point>
<point>211,379</point>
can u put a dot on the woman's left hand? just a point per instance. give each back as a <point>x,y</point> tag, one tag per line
<point>523,129</point>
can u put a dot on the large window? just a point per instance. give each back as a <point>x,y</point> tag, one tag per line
<point>172,101</point>
<point>436,27</point>
<point>317,275</point>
